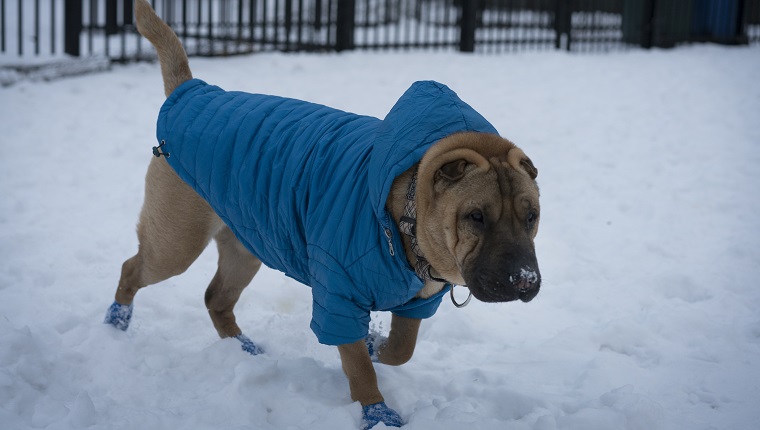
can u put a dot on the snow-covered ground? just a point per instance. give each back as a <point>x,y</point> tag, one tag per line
<point>649,316</point>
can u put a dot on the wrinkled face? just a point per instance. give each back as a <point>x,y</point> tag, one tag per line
<point>479,217</point>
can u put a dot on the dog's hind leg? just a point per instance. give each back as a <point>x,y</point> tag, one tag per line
<point>175,226</point>
<point>237,266</point>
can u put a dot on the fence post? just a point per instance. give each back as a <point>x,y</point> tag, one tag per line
<point>468,25</point>
<point>72,26</point>
<point>742,37</point>
<point>563,16</point>
<point>318,15</point>
<point>112,16</point>
<point>127,13</point>
<point>345,25</point>
<point>648,24</point>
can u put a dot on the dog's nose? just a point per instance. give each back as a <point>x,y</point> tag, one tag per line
<point>529,295</point>
<point>523,285</point>
<point>527,285</point>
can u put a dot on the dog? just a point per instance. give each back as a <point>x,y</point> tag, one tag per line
<point>371,214</point>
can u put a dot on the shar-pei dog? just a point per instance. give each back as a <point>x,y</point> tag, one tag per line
<point>373,215</point>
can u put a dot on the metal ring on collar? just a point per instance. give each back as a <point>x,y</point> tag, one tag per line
<point>453,300</point>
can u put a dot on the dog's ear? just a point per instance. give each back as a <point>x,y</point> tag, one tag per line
<point>529,168</point>
<point>455,165</point>
<point>517,159</point>
<point>452,171</point>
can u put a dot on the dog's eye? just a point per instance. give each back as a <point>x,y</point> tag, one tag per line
<point>477,216</point>
<point>531,218</point>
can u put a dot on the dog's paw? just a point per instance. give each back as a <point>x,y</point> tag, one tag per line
<point>379,413</point>
<point>374,341</point>
<point>119,316</point>
<point>248,345</point>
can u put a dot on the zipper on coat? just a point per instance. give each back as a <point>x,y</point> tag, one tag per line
<point>389,236</point>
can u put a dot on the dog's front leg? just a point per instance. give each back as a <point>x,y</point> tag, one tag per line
<point>362,381</point>
<point>398,348</point>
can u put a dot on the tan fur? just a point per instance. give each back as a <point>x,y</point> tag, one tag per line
<point>175,68</point>
<point>447,251</point>
<point>176,224</point>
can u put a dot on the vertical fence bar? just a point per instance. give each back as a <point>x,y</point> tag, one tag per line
<point>92,13</point>
<point>524,35</point>
<point>123,31</point>
<point>401,20</point>
<point>121,28</point>
<point>605,40</point>
<point>288,22</point>
<point>503,19</point>
<point>547,24</point>
<point>224,25</point>
<point>276,24</point>
<point>647,21</point>
<point>318,15</point>
<point>299,39</point>
<point>184,22</point>
<point>20,28</point>
<point>469,24</point>
<point>447,22</point>
<point>512,33</point>
<point>330,21</point>
<point>637,22</point>
<point>36,27</point>
<point>139,39</point>
<point>595,23</point>
<point>240,26</point>
<point>2,25</point>
<point>419,35</point>
<point>72,26</point>
<point>52,26</point>
<point>563,22</point>
<point>251,23</point>
<point>110,26</point>
<point>127,12</point>
<point>752,20</point>
<point>264,18</point>
<point>210,34</point>
<point>389,19</point>
<point>199,25</point>
<point>408,29</point>
<point>345,25</point>
<point>379,18</point>
<point>438,21</point>
<point>374,22</point>
<point>112,17</point>
<point>427,37</point>
<point>239,37</point>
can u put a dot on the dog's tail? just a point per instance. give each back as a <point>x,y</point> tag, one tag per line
<point>174,65</point>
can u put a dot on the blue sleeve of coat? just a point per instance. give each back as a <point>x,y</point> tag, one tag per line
<point>421,308</point>
<point>340,315</point>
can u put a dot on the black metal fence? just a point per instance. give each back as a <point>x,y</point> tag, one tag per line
<point>751,21</point>
<point>41,28</point>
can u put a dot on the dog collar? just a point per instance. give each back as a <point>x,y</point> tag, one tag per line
<point>408,226</point>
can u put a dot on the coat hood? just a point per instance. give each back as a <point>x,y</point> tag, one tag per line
<point>426,113</point>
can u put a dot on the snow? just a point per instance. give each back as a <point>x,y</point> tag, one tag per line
<point>648,246</point>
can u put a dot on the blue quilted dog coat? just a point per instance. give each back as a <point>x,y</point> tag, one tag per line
<point>303,186</point>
